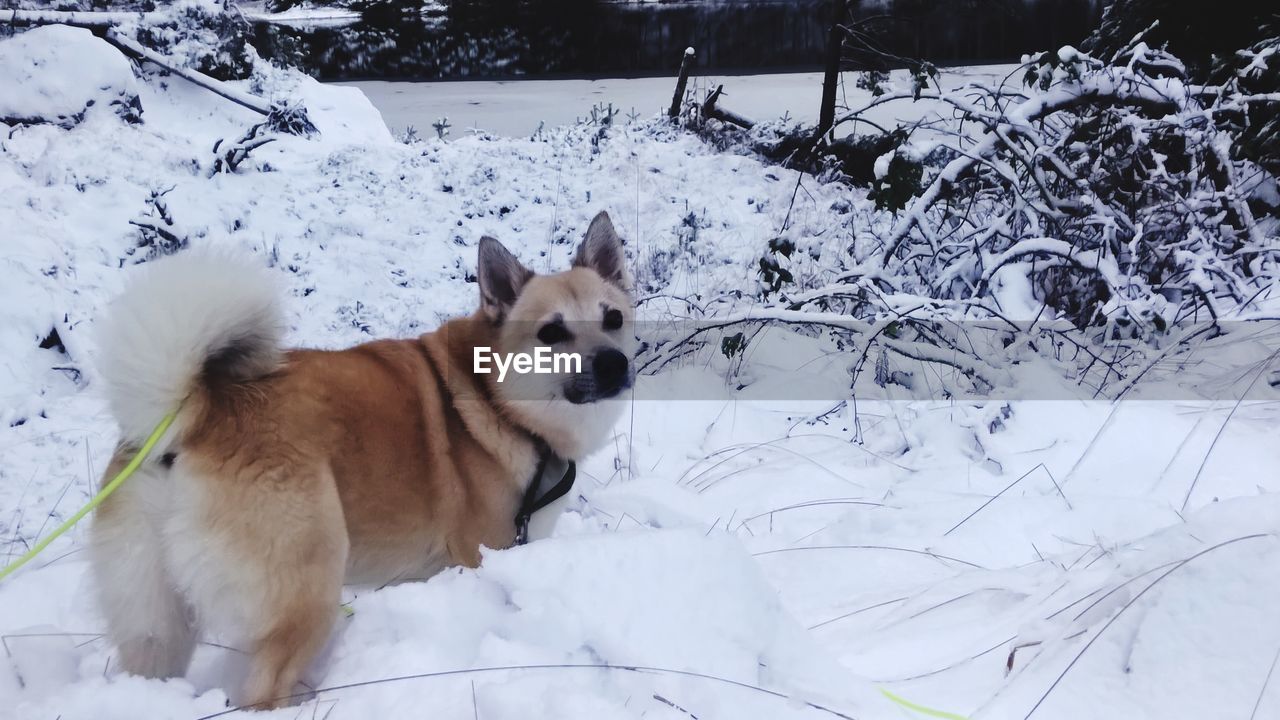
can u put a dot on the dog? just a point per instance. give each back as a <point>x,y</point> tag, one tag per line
<point>290,473</point>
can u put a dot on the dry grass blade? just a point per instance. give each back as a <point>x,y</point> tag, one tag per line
<point>1176,566</point>
<point>813,503</point>
<point>738,450</point>
<point>926,553</point>
<point>1262,367</point>
<point>1115,407</point>
<point>639,669</point>
<point>997,497</point>
<point>858,611</point>
<point>952,666</point>
<point>1261,693</point>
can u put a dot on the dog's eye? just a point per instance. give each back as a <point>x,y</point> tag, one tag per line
<point>553,332</point>
<point>612,319</point>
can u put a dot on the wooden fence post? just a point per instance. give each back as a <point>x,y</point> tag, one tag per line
<point>686,64</point>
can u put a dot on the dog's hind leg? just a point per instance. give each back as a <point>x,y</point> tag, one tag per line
<point>266,557</point>
<point>147,618</point>
<point>303,579</point>
<point>296,634</point>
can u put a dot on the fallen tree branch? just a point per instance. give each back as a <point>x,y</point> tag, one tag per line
<point>133,49</point>
<point>227,160</point>
<point>710,110</point>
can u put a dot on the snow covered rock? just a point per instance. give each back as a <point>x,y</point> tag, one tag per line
<point>55,73</point>
<point>343,112</point>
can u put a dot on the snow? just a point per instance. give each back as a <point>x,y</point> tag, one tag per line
<point>809,548</point>
<point>307,14</point>
<point>303,14</point>
<point>38,86</point>
<point>881,168</point>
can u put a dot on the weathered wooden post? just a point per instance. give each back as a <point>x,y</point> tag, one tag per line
<point>686,65</point>
<point>831,73</point>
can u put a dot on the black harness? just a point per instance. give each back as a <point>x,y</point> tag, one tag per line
<point>533,501</point>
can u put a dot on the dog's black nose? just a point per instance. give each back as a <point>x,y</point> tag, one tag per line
<point>610,370</point>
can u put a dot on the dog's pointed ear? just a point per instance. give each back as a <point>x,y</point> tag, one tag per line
<point>501,277</point>
<point>601,250</point>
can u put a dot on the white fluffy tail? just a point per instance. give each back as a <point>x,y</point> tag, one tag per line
<point>194,320</point>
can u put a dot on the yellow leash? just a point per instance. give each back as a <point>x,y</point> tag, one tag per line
<point>106,490</point>
<point>921,708</point>
<point>141,457</point>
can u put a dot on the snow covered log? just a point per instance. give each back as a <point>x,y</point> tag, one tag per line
<point>58,73</point>
<point>74,19</point>
<point>106,19</point>
<point>134,49</point>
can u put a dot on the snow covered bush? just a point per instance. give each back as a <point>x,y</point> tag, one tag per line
<point>1108,186</point>
<point>1254,73</point>
<point>1100,217</point>
<point>157,235</point>
<point>37,91</point>
<point>1188,29</point>
<point>202,35</point>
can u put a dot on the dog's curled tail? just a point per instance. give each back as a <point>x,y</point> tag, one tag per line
<point>191,322</point>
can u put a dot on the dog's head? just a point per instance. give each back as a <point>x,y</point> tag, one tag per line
<point>577,324</point>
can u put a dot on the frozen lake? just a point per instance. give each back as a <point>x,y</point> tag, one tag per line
<point>557,39</point>
<point>517,107</point>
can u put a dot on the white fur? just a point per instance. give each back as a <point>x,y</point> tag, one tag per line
<point>147,618</point>
<point>158,333</point>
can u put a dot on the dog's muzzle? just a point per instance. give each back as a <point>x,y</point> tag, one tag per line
<point>610,374</point>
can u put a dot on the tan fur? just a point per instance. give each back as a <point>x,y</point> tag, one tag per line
<point>376,464</point>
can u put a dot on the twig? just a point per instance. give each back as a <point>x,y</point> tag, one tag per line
<point>1008,664</point>
<point>673,706</point>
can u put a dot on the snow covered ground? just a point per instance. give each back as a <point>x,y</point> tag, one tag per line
<point>518,108</point>
<point>726,558</point>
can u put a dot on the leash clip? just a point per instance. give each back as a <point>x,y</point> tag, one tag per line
<point>533,502</point>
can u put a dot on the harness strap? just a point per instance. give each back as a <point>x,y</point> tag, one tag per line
<point>533,502</point>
